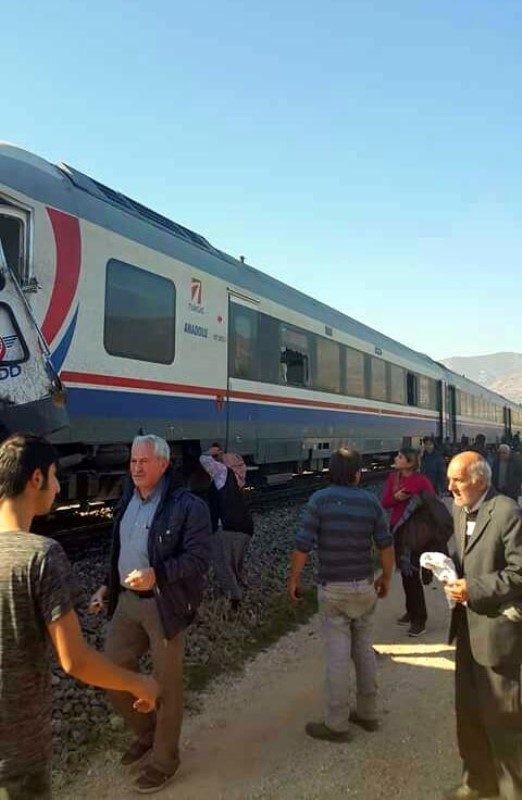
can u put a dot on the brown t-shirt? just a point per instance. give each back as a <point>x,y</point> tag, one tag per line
<point>36,588</point>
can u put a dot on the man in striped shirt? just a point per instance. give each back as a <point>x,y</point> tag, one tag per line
<point>345,523</point>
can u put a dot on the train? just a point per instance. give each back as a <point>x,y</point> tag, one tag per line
<point>153,329</point>
<point>31,393</point>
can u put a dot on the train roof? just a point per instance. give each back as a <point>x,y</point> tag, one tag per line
<point>70,190</point>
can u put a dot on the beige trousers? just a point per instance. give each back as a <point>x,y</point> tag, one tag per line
<point>134,630</point>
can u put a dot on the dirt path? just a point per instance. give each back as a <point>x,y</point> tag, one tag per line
<point>248,742</point>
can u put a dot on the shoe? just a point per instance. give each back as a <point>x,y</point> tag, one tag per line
<point>404,620</point>
<point>135,754</point>
<point>318,730</point>
<point>465,792</point>
<point>369,725</point>
<point>417,629</point>
<point>153,779</point>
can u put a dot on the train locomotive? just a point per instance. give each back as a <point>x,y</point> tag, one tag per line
<point>152,329</point>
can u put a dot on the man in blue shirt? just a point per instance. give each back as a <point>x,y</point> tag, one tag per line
<point>345,523</point>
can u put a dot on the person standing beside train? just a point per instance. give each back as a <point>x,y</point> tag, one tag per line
<point>37,597</point>
<point>433,466</point>
<point>232,524</point>
<point>159,560</point>
<point>507,472</point>
<point>345,523</point>
<point>403,486</point>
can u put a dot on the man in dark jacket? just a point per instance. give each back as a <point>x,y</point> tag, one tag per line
<point>507,472</point>
<point>433,466</point>
<point>488,594</point>
<point>160,556</point>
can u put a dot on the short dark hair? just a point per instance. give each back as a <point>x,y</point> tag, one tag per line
<point>345,463</point>
<point>411,454</point>
<point>20,455</point>
<point>426,439</point>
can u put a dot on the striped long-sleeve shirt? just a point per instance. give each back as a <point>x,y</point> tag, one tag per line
<point>343,522</point>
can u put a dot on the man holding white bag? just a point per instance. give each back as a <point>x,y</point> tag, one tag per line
<point>488,561</point>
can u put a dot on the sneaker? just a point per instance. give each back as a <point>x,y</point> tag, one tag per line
<point>153,779</point>
<point>417,629</point>
<point>369,725</point>
<point>135,754</point>
<point>404,620</point>
<point>464,792</point>
<point>318,730</point>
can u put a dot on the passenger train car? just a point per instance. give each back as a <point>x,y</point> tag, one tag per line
<point>153,329</point>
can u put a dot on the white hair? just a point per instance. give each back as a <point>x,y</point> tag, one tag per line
<point>504,448</point>
<point>480,471</point>
<point>160,446</point>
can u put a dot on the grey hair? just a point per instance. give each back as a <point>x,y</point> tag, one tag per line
<point>480,471</point>
<point>160,446</point>
<point>505,448</point>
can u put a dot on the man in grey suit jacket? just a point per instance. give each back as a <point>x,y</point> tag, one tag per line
<point>488,594</point>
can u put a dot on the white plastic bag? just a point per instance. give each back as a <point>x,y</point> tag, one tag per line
<point>442,567</point>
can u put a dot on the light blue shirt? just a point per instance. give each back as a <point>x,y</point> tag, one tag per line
<point>134,531</point>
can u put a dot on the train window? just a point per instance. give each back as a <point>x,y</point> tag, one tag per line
<point>294,357</point>
<point>328,366</point>
<point>427,397</point>
<point>355,373</point>
<point>411,388</point>
<point>14,230</point>
<point>140,314</point>
<point>377,379</point>
<point>397,384</point>
<point>243,342</point>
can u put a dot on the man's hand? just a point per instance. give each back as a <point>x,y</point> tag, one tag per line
<point>97,601</point>
<point>147,693</point>
<point>293,591</point>
<point>141,580</point>
<point>458,591</point>
<point>382,586</point>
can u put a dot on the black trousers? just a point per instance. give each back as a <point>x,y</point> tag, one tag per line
<point>489,721</point>
<point>414,593</point>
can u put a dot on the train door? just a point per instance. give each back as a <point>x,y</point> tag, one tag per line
<point>507,423</point>
<point>242,361</point>
<point>442,410</point>
<point>452,413</point>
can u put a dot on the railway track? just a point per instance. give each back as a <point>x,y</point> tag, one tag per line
<point>79,531</point>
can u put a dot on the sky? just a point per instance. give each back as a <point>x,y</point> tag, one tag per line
<point>367,152</point>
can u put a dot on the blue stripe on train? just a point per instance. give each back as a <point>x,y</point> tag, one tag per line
<point>103,403</point>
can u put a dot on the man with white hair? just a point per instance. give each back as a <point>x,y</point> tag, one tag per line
<point>507,472</point>
<point>488,559</point>
<point>160,555</point>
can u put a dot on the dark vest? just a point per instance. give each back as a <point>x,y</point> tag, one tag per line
<point>229,506</point>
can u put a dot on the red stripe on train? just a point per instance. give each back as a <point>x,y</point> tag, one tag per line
<point>119,382</point>
<point>66,231</point>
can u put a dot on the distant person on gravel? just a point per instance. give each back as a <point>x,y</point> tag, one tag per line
<point>37,596</point>
<point>232,522</point>
<point>345,523</point>
<point>507,472</point>
<point>159,560</point>
<point>433,466</point>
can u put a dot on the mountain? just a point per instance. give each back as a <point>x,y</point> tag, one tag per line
<point>500,372</point>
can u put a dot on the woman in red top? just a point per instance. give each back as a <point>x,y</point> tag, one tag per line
<point>399,488</point>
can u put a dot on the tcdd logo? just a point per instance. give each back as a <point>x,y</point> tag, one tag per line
<point>13,371</point>
<point>3,349</point>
